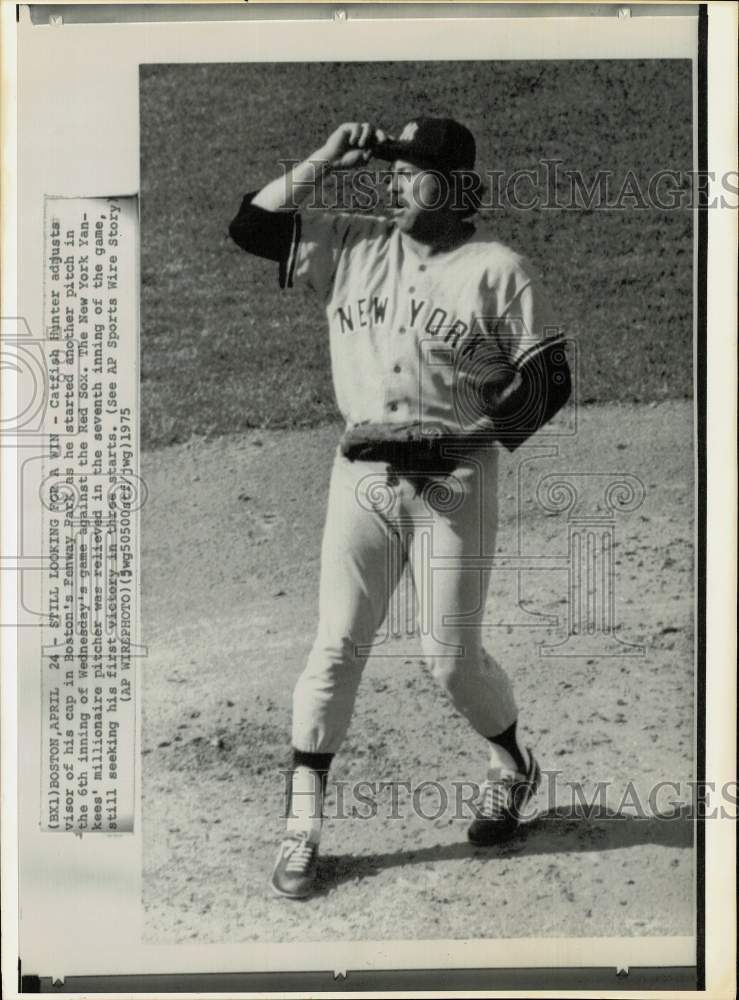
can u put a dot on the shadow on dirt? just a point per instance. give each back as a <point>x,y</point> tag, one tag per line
<point>556,831</point>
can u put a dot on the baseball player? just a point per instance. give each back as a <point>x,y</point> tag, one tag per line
<point>442,347</point>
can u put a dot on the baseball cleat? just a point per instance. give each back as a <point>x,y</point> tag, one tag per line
<point>503,797</point>
<point>294,874</point>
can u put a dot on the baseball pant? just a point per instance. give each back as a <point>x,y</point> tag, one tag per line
<point>442,530</point>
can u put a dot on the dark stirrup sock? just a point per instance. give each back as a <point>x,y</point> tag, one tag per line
<point>319,762</point>
<point>507,740</point>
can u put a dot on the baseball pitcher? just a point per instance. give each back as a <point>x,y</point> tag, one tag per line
<point>443,347</point>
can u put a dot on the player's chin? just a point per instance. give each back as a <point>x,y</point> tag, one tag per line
<point>402,219</point>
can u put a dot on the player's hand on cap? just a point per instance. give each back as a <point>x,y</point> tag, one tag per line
<point>351,144</point>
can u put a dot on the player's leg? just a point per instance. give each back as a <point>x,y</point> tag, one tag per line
<point>462,531</point>
<point>361,561</point>
<point>453,594</point>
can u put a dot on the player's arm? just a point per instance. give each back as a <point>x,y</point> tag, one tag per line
<point>264,223</point>
<point>527,397</point>
<point>533,382</point>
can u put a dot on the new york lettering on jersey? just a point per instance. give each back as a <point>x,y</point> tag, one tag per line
<point>386,308</point>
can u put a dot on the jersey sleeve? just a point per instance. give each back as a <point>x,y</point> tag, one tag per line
<point>532,343</point>
<point>526,321</point>
<point>318,239</point>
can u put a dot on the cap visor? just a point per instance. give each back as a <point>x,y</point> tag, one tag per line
<point>389,150</point>
<point>393,149</point>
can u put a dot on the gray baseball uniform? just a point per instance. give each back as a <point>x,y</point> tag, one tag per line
<point>442,344</point>
<point>399,325</point>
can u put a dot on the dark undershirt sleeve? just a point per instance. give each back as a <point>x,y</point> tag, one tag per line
<point>263,233</point>
<point>543,385</point>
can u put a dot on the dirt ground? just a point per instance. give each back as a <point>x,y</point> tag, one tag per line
<point>231,536</point>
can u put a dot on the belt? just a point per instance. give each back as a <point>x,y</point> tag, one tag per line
<point>424,456</point>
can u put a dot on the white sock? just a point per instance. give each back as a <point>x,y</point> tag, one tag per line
<point>306,803</point>
<point>500,758</point>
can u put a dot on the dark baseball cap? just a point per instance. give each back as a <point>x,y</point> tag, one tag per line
<point>439,142</point>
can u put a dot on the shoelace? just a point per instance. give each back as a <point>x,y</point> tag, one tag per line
<point>300,855</point>
<point>495,802</point>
